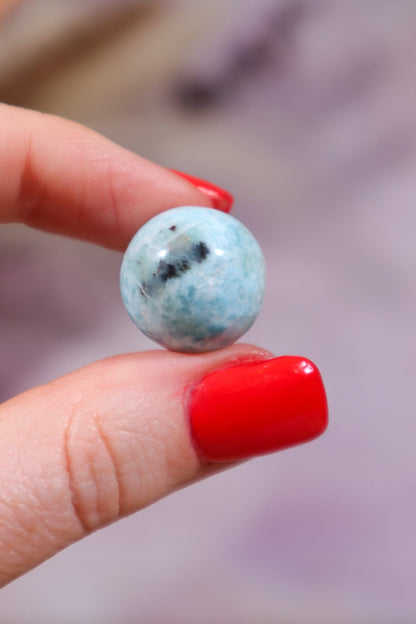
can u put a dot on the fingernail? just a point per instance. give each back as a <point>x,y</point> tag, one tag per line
<point>253,408</point>
<point>221,199</point>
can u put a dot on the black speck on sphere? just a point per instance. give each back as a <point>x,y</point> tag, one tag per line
<point>166,271</point>
<point>200,251</point>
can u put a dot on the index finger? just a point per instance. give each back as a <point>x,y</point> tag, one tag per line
<point>61,177</point>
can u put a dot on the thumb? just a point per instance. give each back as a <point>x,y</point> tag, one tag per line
<point>106,440</point>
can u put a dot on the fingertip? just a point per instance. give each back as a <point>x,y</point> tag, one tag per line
<point>67,179</point>
<point>219,197</point>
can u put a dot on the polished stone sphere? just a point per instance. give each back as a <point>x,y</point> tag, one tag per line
<point>192,279</point>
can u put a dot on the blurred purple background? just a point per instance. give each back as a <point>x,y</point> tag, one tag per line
<point>306,111</point>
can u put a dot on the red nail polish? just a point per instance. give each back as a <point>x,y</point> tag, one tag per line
<point>221,200</point>
<point>252,408</point>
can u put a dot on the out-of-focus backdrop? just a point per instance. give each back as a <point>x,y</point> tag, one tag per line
<point>306,110</point>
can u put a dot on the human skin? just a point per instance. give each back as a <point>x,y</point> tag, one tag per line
<point>99,443</point>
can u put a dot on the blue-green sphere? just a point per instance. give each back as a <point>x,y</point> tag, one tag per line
<point>192,279</point>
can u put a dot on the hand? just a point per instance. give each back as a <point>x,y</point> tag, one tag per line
<point>106,440</point>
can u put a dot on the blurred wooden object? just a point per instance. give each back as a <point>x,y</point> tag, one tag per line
<point>47,41</point>
<point>74,60</point>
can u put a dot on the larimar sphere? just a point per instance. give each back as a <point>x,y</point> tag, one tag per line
<point>192,279</point>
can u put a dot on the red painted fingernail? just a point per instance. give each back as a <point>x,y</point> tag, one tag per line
<point>252,408</point>
<point>221,199</point>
